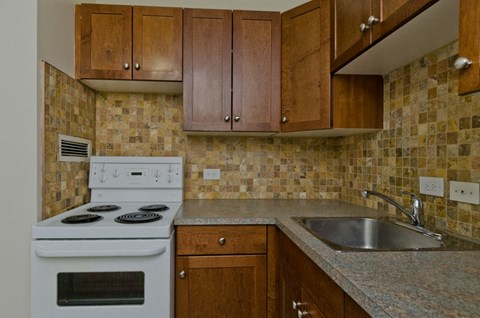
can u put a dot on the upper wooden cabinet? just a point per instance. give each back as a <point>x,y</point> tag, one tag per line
<point>311,98</point>
<point>121,42</point>
<point>359,24</point>
<point>231,71</point>
<point>469,48</point>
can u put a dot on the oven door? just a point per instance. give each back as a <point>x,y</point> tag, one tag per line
<point>102,278</point>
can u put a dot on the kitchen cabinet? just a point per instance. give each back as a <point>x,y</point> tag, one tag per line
<point>221,271</point>
<point>312,99</point>
<point>124,42</point>
<point>231,71</point>
<point>469,48</point>
<point>356,25</point>
<point>304,290</point>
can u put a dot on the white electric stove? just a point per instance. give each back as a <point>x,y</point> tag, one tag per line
<point>114,255</point>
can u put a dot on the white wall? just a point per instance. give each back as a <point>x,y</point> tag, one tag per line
<point>18,159</point>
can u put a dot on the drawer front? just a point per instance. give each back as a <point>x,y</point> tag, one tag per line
<point>218,240</point>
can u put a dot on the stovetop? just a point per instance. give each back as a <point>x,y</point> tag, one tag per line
<point>107,227</point>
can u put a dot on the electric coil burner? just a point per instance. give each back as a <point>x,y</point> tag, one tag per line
<point>154,208</point>
<point>104,208</point>
<point>138,217</point>
<point>99,260</point>
<point>82,218</point>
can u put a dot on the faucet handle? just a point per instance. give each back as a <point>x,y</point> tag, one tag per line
<point>417,207</point>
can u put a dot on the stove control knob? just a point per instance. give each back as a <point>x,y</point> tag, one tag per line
<point>170,168</point>
<point>103,179</point>
<point>170,179</point>
<point>157,173</point>
<point>116,174</point>
<point>104,168</point>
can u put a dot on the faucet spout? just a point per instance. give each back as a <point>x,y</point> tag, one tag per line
<point>415,220</point>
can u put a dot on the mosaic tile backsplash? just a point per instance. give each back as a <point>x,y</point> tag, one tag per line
<point>69,109</point>
<point>428,131</point>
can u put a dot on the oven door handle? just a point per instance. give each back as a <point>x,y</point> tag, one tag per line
<point>51,253</point>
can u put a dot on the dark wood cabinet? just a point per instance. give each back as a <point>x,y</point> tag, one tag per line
<point>231,71</point>
<point>356,25</point>
<point>221,271</point>
<point>469,47</point>
<point>312,99</point>
<point>304,290</point>
<point>121,42</point>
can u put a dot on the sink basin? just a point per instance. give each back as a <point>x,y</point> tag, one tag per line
<point>361,233</point>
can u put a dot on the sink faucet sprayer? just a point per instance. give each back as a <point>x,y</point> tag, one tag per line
<point>416,215</point>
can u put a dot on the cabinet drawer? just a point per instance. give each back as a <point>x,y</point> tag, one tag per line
<point>216,240</point>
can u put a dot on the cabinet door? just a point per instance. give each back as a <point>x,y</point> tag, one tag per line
<point>157,43</point>
<point>308,307</point>
<point>103,41</point>
<point>288,292</point>
<point>394,13</point>
<point>348,41</point>
<point>353,310</point>
<point>306,67</point>
<point>256,71</point>
<point>207,70</point>
<point>221,286</point>
<point>469,46</point>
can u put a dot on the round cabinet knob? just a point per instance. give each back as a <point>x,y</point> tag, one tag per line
<point>137,66</point>
<point>372,20</point>
<point>302,314</point>
<point>296,304</point>
<point>462,63</point>
<point>364,27</point>
<point>236,118</point>
<point>182,274</point>
<point>222,241</point>
<point>226,119</point>
<point>126,66</point>
<point>284,119</point>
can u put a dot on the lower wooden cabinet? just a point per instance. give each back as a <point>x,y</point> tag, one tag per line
<point>221,271</point>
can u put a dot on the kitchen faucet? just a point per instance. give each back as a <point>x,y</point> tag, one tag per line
<point>416,215</point>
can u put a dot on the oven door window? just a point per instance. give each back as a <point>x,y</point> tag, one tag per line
<point>100,289</point>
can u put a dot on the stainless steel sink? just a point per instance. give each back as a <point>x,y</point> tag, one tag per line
<point>367,234</point>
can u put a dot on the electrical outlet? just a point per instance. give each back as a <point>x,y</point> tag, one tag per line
<point>211,174</point>
<point>432,186</point>
<point>468,192</point>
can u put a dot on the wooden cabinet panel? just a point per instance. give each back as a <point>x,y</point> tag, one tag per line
<point>323,292</point>
<point>241,239</point>
<point>469,46</point>
<point>103,41</point>
<point>256,71</point>
<point>157,43</point>
<point>306,67</point>
<point>353,310</point>
<point>357,101</point>
<point>308,306</point>
<point>207,69</point>
<point>348,40</point>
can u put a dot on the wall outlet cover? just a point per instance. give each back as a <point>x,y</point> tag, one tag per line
<point>468,192</point>
<point>432,186</point>
<point>211,174</point>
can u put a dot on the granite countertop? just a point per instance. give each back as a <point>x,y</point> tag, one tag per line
<point>386,284</point>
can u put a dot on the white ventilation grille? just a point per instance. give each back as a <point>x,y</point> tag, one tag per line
<point>74,149</point>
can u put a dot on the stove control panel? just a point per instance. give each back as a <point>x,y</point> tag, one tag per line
<point>136,175</point>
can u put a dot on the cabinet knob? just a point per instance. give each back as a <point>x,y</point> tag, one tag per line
<point>284,119</point>
<point>182,275</point>
<point>462,63</point>
<point>372,20</point>
<point>137,66</point>
<point>126,66</point>
<point>364,27</point>
<point>226,118</point>
<point>297,305</point>
<point>236,118</point>
<point>302,314</point>
<point>222,241</point>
